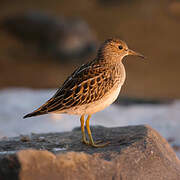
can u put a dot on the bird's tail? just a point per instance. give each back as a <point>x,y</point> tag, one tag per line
<point>35,113</point>
<point>40,111</point>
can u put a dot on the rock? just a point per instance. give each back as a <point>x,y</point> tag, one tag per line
<point>65,38</point>
<point>174,9</point>
<point>135,152</point>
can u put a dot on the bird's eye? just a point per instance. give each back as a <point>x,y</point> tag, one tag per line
<point>120,47</point>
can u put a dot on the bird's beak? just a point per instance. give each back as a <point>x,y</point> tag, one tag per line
<point>133,53</point>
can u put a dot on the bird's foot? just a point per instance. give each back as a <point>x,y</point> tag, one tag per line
<point>98,144</point>
<point>94,144</point>
<point>85,142</point>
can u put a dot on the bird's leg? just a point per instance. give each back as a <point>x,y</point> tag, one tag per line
<point>91,141</point>
<point>83,131</point>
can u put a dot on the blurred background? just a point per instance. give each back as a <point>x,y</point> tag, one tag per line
<point>149,27</point>
<point>43,41</point>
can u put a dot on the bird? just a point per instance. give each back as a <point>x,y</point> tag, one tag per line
<point>92,87</point>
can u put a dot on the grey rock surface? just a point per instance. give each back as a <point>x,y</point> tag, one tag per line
<point>134,152</point>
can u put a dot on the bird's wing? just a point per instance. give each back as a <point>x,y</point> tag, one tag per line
<point>87,84</point>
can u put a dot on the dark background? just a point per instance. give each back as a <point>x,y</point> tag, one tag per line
<point>150,27</point>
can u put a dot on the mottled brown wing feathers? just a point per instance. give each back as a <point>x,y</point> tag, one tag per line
<point>87,84</point>
<point>83,87</point>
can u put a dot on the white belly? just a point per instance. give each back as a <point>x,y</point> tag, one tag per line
<point>96,106</point>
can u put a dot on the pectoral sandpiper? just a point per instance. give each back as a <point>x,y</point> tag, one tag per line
<point>92,87</point>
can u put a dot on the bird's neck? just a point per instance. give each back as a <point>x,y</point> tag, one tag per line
<point>115,69</point>
<point>110,61</point>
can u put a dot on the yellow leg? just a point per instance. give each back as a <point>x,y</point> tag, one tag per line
<point>83,131</point>
<point>91,141</point>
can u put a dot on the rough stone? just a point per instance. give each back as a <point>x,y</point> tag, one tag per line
<point>135,152</point>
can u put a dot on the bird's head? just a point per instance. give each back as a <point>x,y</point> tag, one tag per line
<point>115,49</point>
